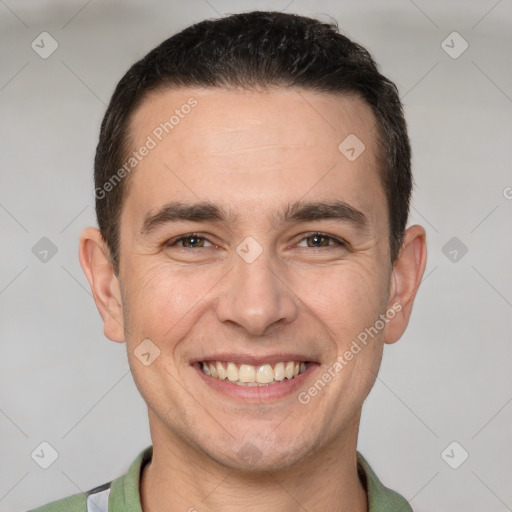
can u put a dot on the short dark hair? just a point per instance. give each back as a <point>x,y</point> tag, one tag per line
<point>254,50</point>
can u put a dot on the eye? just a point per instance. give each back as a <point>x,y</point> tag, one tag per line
<point>189,241</point>
<point>320,240</point>
<point>195,240</point>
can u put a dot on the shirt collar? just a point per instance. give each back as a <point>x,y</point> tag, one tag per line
<point>125,496</point>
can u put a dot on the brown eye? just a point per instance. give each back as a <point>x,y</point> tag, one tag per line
<point>320,240</point>
<point>189,241</point>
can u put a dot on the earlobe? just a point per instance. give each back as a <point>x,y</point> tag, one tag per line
<point>96,264</point>
<point>406,278</point>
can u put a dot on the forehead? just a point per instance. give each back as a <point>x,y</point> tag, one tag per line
<point>209,121</point>
<point>248,148</point>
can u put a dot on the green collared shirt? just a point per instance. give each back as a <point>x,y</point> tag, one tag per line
<point>122,494</point>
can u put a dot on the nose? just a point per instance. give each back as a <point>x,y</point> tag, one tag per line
<point>256,297</point>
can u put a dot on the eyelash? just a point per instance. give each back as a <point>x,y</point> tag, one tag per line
<point>341,243</point>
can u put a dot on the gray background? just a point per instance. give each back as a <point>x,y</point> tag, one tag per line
<point>449,377</point>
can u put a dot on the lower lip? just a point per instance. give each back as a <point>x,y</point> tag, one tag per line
<point>257,394</point>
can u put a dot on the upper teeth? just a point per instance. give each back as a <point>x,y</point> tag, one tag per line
<point>253,375</point>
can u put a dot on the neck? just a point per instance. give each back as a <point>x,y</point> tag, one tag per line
<point>181,478</point>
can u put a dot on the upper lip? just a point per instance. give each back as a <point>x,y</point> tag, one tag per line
<point>254,359</point>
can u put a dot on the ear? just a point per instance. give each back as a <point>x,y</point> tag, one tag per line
<point>405,280</point>
<point>95,261</point>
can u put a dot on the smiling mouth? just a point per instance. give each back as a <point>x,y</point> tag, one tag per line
<point>253,375</point>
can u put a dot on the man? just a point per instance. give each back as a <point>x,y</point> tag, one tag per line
<point>252,192</point>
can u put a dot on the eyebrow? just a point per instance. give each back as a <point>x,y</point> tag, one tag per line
<point>297,211</point>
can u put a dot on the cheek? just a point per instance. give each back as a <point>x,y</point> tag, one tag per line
<point>348,301</point>
<point>348,298</point>
<point>162,301</point>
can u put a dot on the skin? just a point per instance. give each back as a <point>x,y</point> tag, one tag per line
<point>253,153</point>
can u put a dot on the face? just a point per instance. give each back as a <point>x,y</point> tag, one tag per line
<point>250,242</point>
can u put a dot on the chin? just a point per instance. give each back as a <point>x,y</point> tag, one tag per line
<point>256,456</point>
